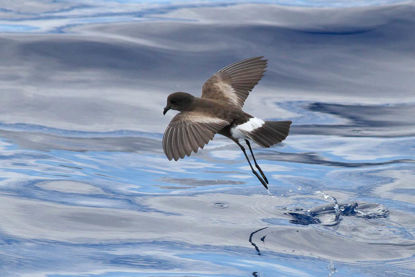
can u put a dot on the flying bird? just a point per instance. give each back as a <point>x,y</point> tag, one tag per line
<point>219,111</point>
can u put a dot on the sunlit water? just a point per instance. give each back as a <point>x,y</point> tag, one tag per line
<point>85,189</point>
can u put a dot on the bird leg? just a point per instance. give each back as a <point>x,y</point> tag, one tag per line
<point>253,170</point>
<point>256,164</point>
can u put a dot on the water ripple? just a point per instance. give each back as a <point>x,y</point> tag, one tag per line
<point>84,180</point>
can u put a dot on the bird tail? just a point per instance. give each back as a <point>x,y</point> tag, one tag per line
<point>270,133</point>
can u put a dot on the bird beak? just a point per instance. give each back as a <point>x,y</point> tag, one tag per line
<point>166,109</point>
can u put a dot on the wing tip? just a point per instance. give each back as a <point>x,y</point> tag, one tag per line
<point>256,58</point>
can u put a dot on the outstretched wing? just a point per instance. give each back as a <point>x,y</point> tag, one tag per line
<point>233,83</point>
<point>189,131</point>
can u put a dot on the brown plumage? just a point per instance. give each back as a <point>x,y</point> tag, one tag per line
<point>188,131</point>
<point>219,110</point>
<point>233,83</point>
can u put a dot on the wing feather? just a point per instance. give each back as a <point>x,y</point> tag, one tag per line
<point>173,143</point>
<point>167,149</point>
<point>234,82</point>
<point>197,137</point>
<point>186,141</point>
<point>192,139</point>
<point>178,143</point>
<point>189,131</point>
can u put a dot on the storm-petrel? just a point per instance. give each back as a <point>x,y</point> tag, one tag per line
<point>219,111</point>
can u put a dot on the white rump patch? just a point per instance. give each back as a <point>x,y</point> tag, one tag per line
<point>252,124</point>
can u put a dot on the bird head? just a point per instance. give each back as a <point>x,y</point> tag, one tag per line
<point>179,101</point>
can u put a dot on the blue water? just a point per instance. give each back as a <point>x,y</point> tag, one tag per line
<point>85,188</point>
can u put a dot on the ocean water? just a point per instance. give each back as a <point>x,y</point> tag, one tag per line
<point>86,190</point>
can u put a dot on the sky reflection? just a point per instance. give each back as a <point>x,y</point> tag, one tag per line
<point>84,181</point>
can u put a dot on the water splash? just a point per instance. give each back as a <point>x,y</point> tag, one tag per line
<point>326,216</point>
<point>331,214</point>
<point>332,268</point>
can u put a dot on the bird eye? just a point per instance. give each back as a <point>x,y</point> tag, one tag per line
<point>173,102</point>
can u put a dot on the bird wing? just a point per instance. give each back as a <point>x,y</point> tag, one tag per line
<point>189,131</point>
<point>233,83</point>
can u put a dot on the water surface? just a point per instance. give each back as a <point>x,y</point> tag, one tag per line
<point>85,187</point>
